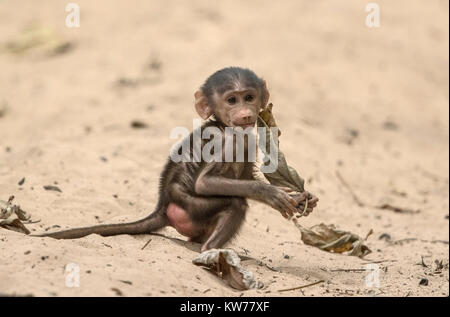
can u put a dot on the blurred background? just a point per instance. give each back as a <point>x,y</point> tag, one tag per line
<point>90,108</point>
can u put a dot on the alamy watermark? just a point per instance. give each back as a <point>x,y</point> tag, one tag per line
<point>72,275</point>
<point>373,18</point>
<point>226,147</point>
<point>373,276</point>
<point>73,16</point>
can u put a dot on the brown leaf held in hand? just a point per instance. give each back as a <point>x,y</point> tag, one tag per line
<point>321,236</point>
<point>285,175</point>
<point>267,116</point>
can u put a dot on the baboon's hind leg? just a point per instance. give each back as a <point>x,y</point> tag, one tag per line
<point>229,220</point>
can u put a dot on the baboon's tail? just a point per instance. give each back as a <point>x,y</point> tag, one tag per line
<point>153,222</point>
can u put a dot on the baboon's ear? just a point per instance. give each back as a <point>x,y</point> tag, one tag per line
<point>201,105</point>
<point>265,95</point>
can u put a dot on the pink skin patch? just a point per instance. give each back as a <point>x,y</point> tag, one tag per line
<point>179,219</point>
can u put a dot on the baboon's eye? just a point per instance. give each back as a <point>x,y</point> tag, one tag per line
<point>249,98</point>
<point>231,100</point>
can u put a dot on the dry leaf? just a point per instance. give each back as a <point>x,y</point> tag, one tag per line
<point>330,239</point>
<point>227,264</point>
<point>324,237</point>
<point>13,216</point>
<point>267,116</point>
<point>285,175</point>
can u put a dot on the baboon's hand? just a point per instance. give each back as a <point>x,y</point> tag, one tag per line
<point>279,199</point>
<point>305,199</point>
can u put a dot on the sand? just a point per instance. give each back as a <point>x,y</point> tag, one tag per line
<point>368,103</point>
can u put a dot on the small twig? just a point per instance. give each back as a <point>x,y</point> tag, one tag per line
<point>404,240</point>
<point>359,202</point>
<point>355,198</point>
<point>368,234</point>
<point>436,241</point>
<point>380,261</point>
<point>300,287</point>
<point>271,268</point>
<point>397,209</point>
<point>430,175</point>
<point>146,244</point>
<point>423,263</point>
<point>268,266</point>
<point>54,188</point>
<point>27,222</point>
<point>348,270</point>
<point>416,239</point>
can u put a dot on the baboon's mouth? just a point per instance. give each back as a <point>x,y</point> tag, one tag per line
<point>245,126</point>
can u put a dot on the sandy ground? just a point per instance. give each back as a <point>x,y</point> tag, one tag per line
<point>369,103</point>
